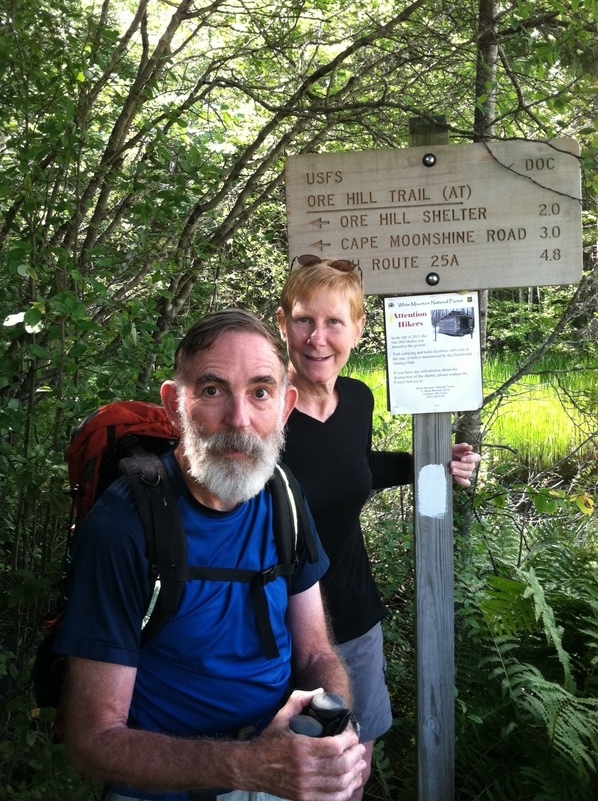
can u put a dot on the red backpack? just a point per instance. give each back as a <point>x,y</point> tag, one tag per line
<point>104,438</point>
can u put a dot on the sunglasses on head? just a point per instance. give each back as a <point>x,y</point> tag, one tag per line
<point>342,265</point>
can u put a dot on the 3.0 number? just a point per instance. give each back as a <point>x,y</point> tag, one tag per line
<point>550,233</point>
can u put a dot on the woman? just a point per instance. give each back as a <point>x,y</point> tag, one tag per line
<point>328,448</point>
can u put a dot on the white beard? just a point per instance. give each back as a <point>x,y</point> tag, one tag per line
<point>233,481</point>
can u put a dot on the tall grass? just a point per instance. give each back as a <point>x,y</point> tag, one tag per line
<point>541,420</point>
<point>546,416</point>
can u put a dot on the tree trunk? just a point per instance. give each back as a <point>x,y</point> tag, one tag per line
<point>468,426</point>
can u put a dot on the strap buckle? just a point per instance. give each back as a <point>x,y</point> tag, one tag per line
<point>269,575</point>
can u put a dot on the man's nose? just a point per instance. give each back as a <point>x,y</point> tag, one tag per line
<point>237,412</point>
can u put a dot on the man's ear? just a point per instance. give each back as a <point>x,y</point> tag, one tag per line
<point>170,401</point>
<point>290,401</point>
<point>282,323</point>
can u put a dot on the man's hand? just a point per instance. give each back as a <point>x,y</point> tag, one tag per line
<point>291,765</point>
<point>463,463</point>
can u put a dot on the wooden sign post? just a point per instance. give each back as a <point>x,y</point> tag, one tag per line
<point>438,218</point>
<point>434,586</point>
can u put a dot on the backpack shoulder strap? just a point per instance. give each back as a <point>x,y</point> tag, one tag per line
<point>292,527</point>
<point>165,536</point>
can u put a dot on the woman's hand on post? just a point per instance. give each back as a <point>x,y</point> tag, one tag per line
<point>463,463</point>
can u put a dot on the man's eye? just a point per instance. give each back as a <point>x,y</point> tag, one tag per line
<point>262,393</point>
<point>211,392</point>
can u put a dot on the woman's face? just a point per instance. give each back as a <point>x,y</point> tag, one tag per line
<point>320,334</point>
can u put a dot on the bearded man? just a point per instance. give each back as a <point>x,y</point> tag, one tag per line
<point>162,721</point>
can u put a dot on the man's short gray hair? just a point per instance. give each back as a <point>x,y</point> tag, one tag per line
<point>207,330</point>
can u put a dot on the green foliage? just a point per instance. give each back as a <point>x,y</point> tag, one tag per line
<point>526,684</point>
<point>141,184</point>
<point>530,714</point>
<point>519,320</point>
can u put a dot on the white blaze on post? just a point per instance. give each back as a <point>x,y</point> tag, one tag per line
<point>431,491</point>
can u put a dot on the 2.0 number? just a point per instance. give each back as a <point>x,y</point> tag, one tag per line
<point>549,211</point>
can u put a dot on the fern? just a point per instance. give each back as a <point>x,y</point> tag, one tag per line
<point>506,608</point>
<point>592,638</point>
<point>515,607</point>
<point>553,633</point>
<point>509,711</point>
<point>570,723</point>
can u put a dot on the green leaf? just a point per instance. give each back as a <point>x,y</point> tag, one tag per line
<point>33,317</point>
<point>37,352</point>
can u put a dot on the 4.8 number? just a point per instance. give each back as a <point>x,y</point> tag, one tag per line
<point>551,255</point>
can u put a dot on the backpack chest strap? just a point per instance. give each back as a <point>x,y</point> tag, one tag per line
<point>199,573</point>
<point>257,595</point>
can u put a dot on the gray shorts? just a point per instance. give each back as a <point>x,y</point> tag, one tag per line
<point>366,665</point>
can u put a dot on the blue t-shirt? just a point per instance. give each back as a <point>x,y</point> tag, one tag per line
<point>206,672</point>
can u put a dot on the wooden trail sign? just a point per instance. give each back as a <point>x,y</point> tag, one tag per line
<point>442,218</point>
